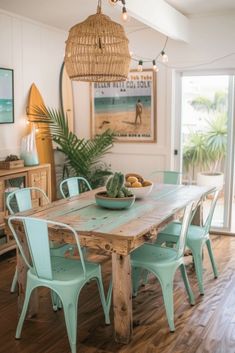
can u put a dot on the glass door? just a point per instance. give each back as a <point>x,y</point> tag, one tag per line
<point>205,138</point>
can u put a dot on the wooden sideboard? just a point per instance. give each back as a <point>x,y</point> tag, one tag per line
<point>38,176</point>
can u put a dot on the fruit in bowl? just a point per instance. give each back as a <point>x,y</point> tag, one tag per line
<point>116,196</point>
<point>138,186</point>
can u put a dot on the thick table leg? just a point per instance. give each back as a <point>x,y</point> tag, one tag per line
<point>122,298</point>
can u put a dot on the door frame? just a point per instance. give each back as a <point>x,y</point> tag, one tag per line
<point>229,165</point>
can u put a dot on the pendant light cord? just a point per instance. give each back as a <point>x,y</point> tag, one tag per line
<point>99,6</point>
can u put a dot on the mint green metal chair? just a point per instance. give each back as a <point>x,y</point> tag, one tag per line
<point>64,276</point>
<point>197,237</point>
<point>163,263</point>
<point>169,177</point>
<point>73,186</point>
<point>21,200</point>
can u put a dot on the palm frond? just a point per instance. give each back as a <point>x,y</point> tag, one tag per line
<point>83,156</point>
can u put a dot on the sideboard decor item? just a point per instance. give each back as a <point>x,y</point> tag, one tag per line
<point>97,50</point>
<point>116,196</point>
<point>6,96</point>
<point>11,162</point>
<point>29,150</point>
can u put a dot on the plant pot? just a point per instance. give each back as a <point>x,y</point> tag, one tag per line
<point>112,203</point>
<point>210,179</point>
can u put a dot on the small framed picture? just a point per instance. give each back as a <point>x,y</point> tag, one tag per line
<point>6,96</point>
<point>128,108</point>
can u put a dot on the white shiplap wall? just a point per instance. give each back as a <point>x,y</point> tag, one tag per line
<point>35,52</point>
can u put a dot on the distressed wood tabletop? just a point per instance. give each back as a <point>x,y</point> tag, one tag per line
<point>144,219</point>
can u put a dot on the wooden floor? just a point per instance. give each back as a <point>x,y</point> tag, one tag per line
<point>208,327</point>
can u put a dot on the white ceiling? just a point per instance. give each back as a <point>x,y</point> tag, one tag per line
<point>193,7</point>
<point>65,13</point>
<point>62,14</point>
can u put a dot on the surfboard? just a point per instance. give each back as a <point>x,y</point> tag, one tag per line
<point>66,97</point>
<point>43,140</point>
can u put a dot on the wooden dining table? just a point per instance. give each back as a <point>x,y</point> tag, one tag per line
<point>118,232</point>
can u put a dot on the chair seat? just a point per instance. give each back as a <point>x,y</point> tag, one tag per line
<point>66,269</point>
<point>155,255</point>
<point>194,232</point>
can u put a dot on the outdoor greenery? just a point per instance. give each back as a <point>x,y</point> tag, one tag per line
<point>205,104</point>
<point>206,150</point>
<point>83,157</point>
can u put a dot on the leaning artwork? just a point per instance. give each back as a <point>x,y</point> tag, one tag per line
<point>128,108</point>
<point>6,96</point>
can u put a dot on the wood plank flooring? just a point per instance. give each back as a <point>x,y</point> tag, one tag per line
<point>208,327</point>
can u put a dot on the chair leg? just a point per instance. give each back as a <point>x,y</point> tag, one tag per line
<point>166,282</point>
<point>56,302</point>
<point>106,306</point>
<point>109,295</point>
<point>136,275</point>
<point>187,284</point>
<point>210,251</point>
<point>69,301</point>
<point>14,281</point>
<point>197,257</point>
<point>28,292</point>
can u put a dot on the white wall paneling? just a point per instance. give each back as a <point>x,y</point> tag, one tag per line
<point>35,52</point>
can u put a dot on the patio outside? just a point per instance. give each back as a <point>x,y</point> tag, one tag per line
<point>204,134</point>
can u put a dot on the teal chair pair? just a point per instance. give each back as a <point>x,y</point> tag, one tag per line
<point>64,276</point>
<point>74,186</point>
<point>21,200</point>
<point>197,238</point>
<point>163,262</point>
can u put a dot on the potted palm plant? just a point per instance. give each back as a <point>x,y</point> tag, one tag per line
<point>82,157</point>
<point>206,151</point>
<point>216,145</point>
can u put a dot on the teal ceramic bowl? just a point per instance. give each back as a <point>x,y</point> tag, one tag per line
<point>113,203</point>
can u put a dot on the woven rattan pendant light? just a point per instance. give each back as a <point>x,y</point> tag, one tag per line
<point>97,50</point>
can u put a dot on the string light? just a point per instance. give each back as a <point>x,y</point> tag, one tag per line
<point>155,68</point>
<point>161,54</point>
<point>140,66</point>
<point>124,11</point>
<point>124,14</point>
<point>164,56</point>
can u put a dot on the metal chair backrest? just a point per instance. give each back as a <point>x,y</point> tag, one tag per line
<point>73,186</point>
<point>37,236</point>
<point>208,221</point>
<point>23,199</point>
<point>184,230</point>
<point>171,177</point>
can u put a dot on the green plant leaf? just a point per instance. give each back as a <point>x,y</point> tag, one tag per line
<point>83,157</point>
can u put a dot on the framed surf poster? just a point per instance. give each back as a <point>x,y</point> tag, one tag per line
<point>6,96</point>
<point>128,108</point>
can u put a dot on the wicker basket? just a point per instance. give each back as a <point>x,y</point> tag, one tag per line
<point>97,50</point>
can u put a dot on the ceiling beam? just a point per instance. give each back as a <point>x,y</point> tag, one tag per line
<point>160,16</point>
